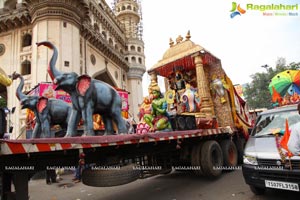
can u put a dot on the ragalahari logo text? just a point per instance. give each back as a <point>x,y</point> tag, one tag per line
<point>236,10</point>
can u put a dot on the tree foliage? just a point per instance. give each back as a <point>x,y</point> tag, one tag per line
<point>257,92</point>
<point>3,103</point>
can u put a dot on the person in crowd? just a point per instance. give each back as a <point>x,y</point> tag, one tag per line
<point>80,168</point>
<point>294,140</point>
<point>50,176</point>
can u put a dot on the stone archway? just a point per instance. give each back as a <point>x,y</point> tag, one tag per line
<point>105,77</point>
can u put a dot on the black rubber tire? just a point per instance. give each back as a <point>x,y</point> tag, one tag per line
<point>257,190</point>
<point>240,146</point>
<point>230,153</point>
<point>108,178</point>
<point>196,159</point>
<point>211,159</point>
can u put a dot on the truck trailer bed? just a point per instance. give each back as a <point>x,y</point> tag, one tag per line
<point>8,147</point>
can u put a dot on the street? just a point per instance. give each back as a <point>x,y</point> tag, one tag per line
<point>174,186</point>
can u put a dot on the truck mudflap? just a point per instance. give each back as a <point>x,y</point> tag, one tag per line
<point>9,147</point>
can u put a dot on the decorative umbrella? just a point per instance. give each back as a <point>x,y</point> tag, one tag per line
<point>285,82</point>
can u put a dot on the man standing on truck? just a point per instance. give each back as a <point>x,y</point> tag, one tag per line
<point>294,140</point>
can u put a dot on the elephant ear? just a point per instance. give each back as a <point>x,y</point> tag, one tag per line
<point>42,104</point>
<point>83,84</point>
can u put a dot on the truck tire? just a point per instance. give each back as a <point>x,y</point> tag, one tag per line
<point>257,190</point>
<point>108,178</point>
<point>196,159</point>
<point>230,154</point>
<point>211,159</point>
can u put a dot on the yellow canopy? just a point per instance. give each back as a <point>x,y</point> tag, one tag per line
<point>4,80</point>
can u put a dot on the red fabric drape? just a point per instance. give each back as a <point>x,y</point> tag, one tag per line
<point>185,63</point>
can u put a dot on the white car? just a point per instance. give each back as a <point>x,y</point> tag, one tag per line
<point>265,162</point>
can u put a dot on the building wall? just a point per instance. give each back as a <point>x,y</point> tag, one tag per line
<point>135,98</point>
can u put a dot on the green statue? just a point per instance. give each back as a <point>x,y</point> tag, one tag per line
<point>158,119</point>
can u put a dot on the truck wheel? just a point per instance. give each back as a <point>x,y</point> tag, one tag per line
<point>257,190</point>
<point>211,159</point>
<point>230,154</point>
<point>107,178</point>
<point>196,159</point>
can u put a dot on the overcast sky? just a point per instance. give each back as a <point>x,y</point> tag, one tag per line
<point>243,43</point>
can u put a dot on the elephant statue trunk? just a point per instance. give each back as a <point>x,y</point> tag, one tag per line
<point>53,72</point>
<point>20,95</point>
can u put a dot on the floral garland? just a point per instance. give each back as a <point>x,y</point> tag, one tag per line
<point>281,154</point>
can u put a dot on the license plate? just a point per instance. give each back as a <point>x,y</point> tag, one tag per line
<point>282,185</point>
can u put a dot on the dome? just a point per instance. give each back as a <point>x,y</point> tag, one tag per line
<point>177,51</point>
<point>181,49</point>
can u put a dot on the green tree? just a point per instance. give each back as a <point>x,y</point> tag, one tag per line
<point>3,103</point>
<point>257,92</point>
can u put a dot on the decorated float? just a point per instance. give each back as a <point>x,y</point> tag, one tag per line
<point>200,121</point>
<point>199,94</point>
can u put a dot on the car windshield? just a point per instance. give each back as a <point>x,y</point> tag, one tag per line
<point>269,123</point>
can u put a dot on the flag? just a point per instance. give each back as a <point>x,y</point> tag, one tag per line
<point>285,139</point>
<point>276,96</point>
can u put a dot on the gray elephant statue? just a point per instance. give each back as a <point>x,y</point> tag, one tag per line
<point>48,111</point>
<point>89,96</point>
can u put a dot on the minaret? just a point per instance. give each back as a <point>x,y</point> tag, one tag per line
<point>129,13</point>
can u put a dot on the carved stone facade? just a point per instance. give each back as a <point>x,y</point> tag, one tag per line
<point>91,39</point>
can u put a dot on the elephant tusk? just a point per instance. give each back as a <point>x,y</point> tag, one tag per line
<point>55,81</point>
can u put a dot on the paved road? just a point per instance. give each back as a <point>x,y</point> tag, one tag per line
<point>175,186</point>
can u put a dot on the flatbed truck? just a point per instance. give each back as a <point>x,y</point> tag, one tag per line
<point>206,142</point>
